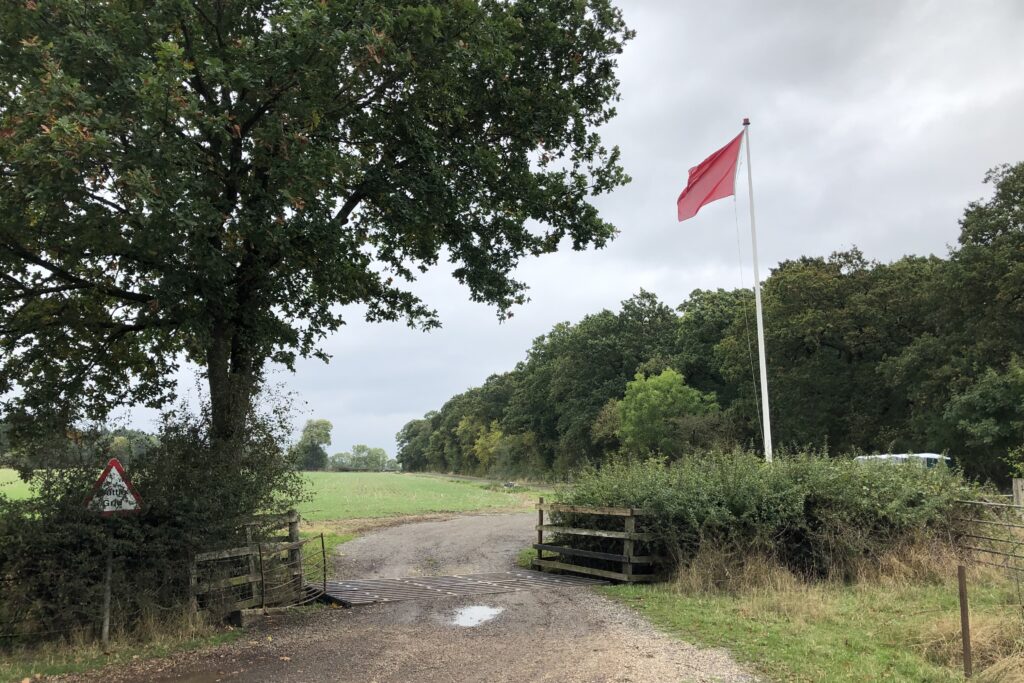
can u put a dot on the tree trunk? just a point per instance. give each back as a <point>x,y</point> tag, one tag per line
<point>232,385</point>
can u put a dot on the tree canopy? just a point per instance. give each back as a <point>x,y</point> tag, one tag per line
<point>211,181</point>
<point>921,354</point>
<point>309,452</point>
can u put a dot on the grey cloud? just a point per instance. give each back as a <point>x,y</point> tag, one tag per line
<point>873,124</point>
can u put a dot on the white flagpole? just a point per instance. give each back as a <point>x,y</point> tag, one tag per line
<point>757,301</point>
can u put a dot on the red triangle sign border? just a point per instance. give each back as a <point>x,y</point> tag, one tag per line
<point>97,489</point>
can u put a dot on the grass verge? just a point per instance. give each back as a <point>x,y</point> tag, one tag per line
<point>526,557</point>
<point>830,632</point>
<point>64,658</point>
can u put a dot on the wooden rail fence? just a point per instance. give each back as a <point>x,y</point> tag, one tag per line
<point>266,573</point>
<point>632,541</point>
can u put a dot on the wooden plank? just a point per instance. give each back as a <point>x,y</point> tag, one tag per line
<point>272,548</point>
<point>247,603</point>
<point>224,554</point>
<point>587,510</point>
<point>618,576</point>
<point>572,531</point>
<point>241,551</point>
<point>276,521</point>
<point>562,550</point>
<point>208,586</point>
<point>611,557</point>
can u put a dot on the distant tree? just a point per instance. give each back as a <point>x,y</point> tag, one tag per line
<point>368,459</point>
<point>413,443</point>
<point>213,181</point>
<point>128,444</point>
<point>309,452</point>
<point>362,458</point>
<point>652,410</point>
<point>340,462</point>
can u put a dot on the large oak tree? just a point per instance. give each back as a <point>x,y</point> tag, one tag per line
<point>214,179</point>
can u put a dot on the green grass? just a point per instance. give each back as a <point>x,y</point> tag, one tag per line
<point>12,486</point>
<point>832,633</point>
<point>525,558</point>
<point>56,659</point>
<point>312,559</point>
<point>356,495</point>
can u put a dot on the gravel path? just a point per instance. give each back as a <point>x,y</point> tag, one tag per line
<point>566,634</point>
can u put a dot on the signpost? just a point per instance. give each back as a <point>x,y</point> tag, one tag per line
<point>112,495</point>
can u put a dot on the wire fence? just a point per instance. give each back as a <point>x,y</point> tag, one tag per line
<point>991,534</point>
<point>995,538</point>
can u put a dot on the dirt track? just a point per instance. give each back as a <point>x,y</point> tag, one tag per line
<point>566,634</point>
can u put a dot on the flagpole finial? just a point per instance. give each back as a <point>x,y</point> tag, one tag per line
<point>746,121</point>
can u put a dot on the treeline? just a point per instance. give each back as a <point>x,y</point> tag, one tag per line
<point>918,355</point>
<point>310,453</point>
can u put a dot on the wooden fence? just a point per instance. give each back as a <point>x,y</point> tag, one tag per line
<point>271,572</point>
<point>629,560</point>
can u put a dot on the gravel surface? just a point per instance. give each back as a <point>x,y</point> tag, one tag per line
<point>565,634</point>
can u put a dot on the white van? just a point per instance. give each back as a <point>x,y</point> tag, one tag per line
<point>927,460</point>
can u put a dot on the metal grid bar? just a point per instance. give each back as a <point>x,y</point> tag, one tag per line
<point>369,591</point>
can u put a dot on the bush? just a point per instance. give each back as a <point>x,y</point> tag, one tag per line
<point>52,558</point>
<point>816,516</point>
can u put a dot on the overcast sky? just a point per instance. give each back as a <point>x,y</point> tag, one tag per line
<point>873,124</point>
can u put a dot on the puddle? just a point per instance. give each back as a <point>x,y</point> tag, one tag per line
<point>475,615</point>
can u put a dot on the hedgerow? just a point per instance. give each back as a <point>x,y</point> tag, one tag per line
<point>53,551</point>
<point>819,517</point>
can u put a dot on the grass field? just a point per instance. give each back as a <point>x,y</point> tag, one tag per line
<point>354,495</point>
<point>12,486</point>
<point>840,633</point>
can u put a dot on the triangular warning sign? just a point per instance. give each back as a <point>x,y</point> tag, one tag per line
<point>113,494</point>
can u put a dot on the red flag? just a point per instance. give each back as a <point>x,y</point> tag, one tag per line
<point>713,178</point>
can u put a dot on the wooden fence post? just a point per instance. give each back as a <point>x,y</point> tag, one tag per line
<point>1018,491</point>
<point>252,560</point>
<point>540,531</point>
<point>965,619</point>
<point>193,584</point>
<point>263,580</point>
<point>295,554</point>
<point>107,577</point>
<point>323,553</point>
<point>627,547</point>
